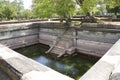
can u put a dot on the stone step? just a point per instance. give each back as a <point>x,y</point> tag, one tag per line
<point>61,44</point>
<point>57,50</point>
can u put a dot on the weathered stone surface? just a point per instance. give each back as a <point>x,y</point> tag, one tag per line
<point>11,27</point>
<point>108,25</point>
<point>105,37</point>
<point>20,41</point>
<point>24,34</point>
<point>9,70</point>
<point>4,76</point>
<point>103,69</point>
<point>48,75</point>
<point>97,48</point>
<point>93,46</point>
<point>100,71</point>
<point>115,75</point>
<point>6,53</point>
<point>25,65</point>
<point>16,65</point>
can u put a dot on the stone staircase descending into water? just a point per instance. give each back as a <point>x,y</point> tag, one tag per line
<point>60,45</point>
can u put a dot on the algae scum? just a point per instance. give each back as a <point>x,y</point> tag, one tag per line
<point>73,66</point>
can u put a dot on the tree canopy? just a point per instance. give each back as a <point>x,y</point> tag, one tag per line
<point>101,6</point>
<point>113,3</point>
<point>49,8</point>
<point>88,6</point>
<point>13,10</point>
<point>56,8</point>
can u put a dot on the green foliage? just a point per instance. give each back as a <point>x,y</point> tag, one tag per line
<point>65,8</point>
<point>42,8</point>
<point>89,6</point>
<point>18,8</point>
<point>113,6</point>
<point>13,10</point>
<point>56,8</point>
<point>1,8</point>
<point>113,3</point>
<point>49,8</point>
<point>26,14</point>
<point>7,11</point>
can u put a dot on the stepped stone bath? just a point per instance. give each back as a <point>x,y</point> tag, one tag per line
<point>92,39</point>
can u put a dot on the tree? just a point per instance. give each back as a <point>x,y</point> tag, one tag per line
<point>18,7</point>
<point>87,6</point>
<point>65,8</point>
<point>79,2</point>
<point>114,5</point>
<point>49,8</point>
<point>26,14</point>
<point>43,8</point>
<point>1,8</point>
<point>9,10</point>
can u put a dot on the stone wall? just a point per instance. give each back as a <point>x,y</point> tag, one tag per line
<point>92,42</point>
<point>88,41</point>
<point>103,25</point>
<point>92,47</point>
<point>99,36</point>
<point>80,45</point>
<point>18,67</point>
<point>24,34</point>
<point>19,35</point>
<point>107,68</point>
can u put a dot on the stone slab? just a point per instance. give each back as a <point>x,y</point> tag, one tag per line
<point>104,68</point>
<point>48,75</point>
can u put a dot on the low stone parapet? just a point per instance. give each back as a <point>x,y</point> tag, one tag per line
<point>107,68</point>
<point>19,67</point>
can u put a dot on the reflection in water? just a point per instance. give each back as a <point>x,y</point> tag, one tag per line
<point>43,60</point>
<point>73,66</point>
<point>57,65</point>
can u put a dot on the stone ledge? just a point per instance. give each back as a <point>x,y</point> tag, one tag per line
<point>48,75</point>
<point>115,75</point>
<point>104,68</point>
<point>17,65</point>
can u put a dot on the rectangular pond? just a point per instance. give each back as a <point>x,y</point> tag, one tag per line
<point>74,66</point>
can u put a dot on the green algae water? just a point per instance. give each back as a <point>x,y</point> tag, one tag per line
<point>73,66</point>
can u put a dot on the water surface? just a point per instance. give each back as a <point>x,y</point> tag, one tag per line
<point>73,66</point>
